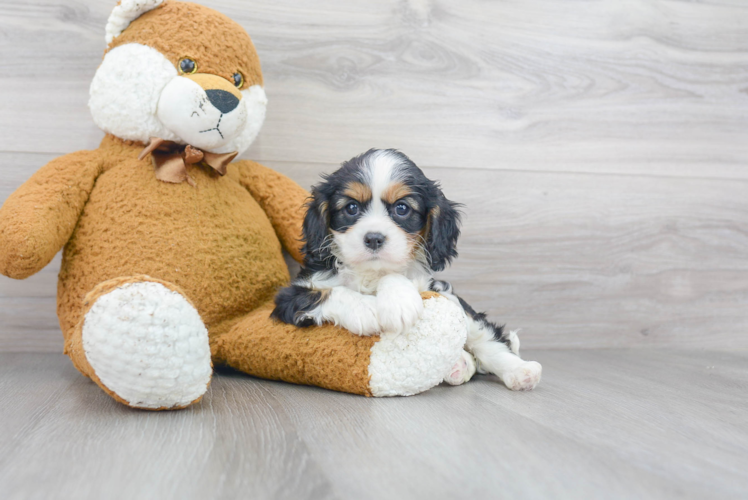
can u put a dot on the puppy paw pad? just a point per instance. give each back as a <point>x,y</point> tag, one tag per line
<point>523,378</point>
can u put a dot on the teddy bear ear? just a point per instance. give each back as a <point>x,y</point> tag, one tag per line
<point>126,12</point>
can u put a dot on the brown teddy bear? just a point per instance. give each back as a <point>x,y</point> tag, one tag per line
<point>172,253</point>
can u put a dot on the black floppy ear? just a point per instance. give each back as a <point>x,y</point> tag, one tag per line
<point>317,252</point>
<point>443,230</point>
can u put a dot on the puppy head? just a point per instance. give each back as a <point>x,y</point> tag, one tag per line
<point>181,72</point>
<point>379,212</point>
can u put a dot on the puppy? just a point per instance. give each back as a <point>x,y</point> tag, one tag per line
<point>375,232</point>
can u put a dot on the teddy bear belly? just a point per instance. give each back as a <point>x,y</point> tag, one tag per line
<point>213,241</point>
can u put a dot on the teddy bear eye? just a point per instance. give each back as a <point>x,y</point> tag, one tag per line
<point>238,79</point>
<point>187,66</point>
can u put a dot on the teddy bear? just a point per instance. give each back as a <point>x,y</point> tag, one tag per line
<point>172,251</point>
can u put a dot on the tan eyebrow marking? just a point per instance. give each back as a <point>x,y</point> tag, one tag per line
<point>395,191</point>
<point>413,203</point>
<point>358,191</point>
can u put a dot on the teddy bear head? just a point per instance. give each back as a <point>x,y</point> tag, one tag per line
<point>180,72</point>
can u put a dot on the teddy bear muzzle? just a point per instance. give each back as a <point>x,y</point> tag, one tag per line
<point>202,109</point>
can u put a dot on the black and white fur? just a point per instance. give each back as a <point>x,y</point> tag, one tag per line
<point>375,232</point>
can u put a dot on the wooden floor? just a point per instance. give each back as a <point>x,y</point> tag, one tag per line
<point>602,424</point>
<point>600,148</point>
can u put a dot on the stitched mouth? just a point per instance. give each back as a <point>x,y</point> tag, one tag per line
<point>216,128</point>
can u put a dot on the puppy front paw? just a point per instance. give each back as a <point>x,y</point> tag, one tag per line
<point>354,311</point>
<point>399,305</point>
<point>524,377</point>
<point>362,319</point>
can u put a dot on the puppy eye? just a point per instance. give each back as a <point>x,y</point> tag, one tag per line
<point>238,79</point>
<point>351,209</point>
<point>187,66</point>
<point>401,209</point>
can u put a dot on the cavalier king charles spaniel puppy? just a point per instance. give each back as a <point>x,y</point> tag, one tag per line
<point>375,232</point>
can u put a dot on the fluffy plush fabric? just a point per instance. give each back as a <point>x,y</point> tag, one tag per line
<point>144,343</point>
<point>214,241</point>
<point>135,93</point>
<point>124,13</point>
<point>128,360</point>
<point>180,29</point>
<point>327,356</point>
<point>125,91</point>
<point>155,272</point>
<point>419,359</point>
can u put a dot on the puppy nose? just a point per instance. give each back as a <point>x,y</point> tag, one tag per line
<point>222,100</point>
<point>374,241</point>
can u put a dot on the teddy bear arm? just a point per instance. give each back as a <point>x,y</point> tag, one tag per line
<point>40,216</point>
<point>282,199</point>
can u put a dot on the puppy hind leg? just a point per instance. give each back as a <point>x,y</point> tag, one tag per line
<point>463,370</point>
<point>495,354</point>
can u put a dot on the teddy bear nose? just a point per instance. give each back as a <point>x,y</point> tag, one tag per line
<point>222,100</point>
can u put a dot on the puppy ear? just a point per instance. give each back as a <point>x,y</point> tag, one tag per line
<point>317,252</point>
<point>443,230</point>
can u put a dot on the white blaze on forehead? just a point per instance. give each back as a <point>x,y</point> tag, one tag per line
<point>382,169</point>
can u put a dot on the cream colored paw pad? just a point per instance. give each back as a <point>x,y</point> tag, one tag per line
<point>416,360</point>
<point>148,345</point>
<point>462,371</point>
<point>524,377</point>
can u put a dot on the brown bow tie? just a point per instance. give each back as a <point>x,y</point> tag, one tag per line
<point>171,160</point>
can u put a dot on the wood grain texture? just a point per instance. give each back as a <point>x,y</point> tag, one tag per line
<point>654,86</point>
<point>602,424</point>
<point>599,146</point>
<point>574,260</point>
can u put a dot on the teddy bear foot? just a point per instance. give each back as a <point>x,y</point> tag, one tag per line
<point>145,344</point>
<point>417,359</point>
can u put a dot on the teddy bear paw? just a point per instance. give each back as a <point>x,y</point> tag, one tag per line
<point>417,359</point>
<point>147,346</point>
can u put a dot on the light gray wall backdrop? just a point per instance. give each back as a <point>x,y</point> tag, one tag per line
<point>600,146</point>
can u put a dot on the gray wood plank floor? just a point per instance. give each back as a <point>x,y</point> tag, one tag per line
<point>602,424</point>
